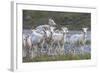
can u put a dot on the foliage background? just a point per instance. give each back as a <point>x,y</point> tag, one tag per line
<point>72,20</point>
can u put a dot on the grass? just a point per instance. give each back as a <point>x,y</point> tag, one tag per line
<point>88,42</point>
<point>58,58</point>
<point>66,57</point>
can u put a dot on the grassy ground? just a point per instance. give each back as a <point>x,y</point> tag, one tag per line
<point>43,58</point>
<point>58,58</point>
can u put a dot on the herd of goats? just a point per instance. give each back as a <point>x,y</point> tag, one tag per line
<point>47,37</point>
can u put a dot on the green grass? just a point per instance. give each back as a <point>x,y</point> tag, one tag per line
<point>88,42</point>
<point>58,58</point>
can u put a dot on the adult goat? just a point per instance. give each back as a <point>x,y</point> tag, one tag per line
<point>78,39</point>
<point>58,40</point>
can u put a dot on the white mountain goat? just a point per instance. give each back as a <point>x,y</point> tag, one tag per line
<point>38,38</point>
<point>65,31</point>
<point>24,45</point>
<point>78,39</point>
<point>33,43</point>
<point>51,22</point>
<point>27,45</point>
<point>47,40</point>
<point>58,40</point>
